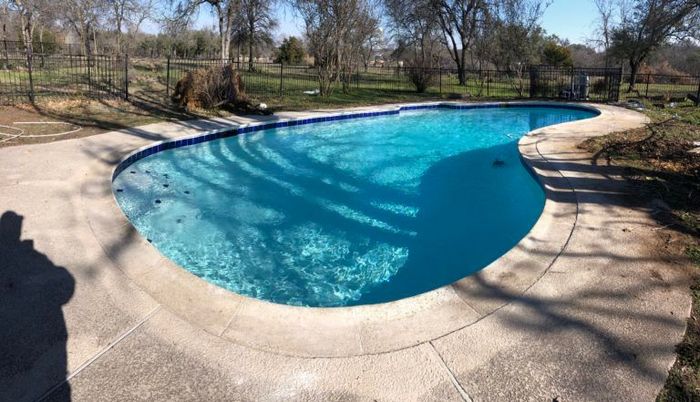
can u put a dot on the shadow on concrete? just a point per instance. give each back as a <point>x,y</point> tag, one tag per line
<point>33,332</point>
<point>292,188</point>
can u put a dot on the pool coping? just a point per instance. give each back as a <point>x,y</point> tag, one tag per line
<point>342,331</point>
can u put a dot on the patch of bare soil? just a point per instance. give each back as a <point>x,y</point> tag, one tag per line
<point>22,125</point>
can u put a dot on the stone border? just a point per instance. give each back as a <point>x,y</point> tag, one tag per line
<point>340,331</point>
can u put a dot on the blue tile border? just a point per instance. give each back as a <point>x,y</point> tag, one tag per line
<point>210,136</point>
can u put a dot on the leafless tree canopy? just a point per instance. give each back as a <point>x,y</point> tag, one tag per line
<point>225,11</point>
<point>335,31</point>
<point>644,26</point>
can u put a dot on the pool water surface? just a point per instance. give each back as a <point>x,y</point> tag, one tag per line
<point>344,213</point>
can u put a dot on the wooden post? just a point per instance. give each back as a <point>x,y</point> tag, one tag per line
<point>697,94</point>
<point>440,74</point>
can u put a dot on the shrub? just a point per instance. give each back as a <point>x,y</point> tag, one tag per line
<point>421,78</point>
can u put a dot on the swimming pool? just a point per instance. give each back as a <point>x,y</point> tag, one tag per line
<point>342,213</point>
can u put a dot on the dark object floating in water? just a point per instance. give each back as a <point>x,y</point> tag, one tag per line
<point>498,163</point>
<point>132,172</point>
<point>119,190</point>
<point>157,201</point>
<point>149,240</point>
<point>148,171</point>
<point>166,185</point>
<point>187,192</point>
<point>179,220</point>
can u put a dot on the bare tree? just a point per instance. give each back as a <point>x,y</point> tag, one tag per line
<point>128,12</point>
<point>29,11</point>
<point>459,20</point>
<point>650,24</point>
<point>416,28</point>
<point>259,22</point>
<point>225,11</point>
<point>515,38</point>
<point>84,17</point>
<point>375,40</point>
<point>606,9</point>
<point>333,36</point>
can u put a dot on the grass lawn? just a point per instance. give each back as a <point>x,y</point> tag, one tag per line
<point>657,162</point>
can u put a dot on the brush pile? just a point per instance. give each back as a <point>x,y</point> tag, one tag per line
<point>210,87</point>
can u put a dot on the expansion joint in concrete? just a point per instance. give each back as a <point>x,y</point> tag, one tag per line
<point>100,353</point>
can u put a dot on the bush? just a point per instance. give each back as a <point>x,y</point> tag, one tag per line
<point>421,78</point>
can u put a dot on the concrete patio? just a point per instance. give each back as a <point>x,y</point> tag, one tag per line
<point>91,312</point>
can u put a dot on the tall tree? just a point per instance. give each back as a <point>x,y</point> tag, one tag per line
<point>259,23</point>
<point>460,20</point>
<point>416,29</point>
<point>605,9</point>
<point>375,40</point>
<point>132,12</point>
<point>333,35</point>
<point>515,39</point>
<point>649,25</point>
<point>29,12</point>
<point>84,17</point>
<point>291,51</point>
<point>225,12</point>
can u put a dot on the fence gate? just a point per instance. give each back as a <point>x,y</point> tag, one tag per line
<point>580,84</point>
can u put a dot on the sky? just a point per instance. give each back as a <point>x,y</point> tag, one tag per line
<point>573,20</point>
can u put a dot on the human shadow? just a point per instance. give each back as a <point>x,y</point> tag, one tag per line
<point>33,332</point>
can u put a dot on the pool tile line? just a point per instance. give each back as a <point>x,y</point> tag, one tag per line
<point>211,135</point>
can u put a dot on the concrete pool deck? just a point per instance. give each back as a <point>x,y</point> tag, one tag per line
<point>583,308</point>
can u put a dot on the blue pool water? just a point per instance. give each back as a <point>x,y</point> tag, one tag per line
<point>343,213</point>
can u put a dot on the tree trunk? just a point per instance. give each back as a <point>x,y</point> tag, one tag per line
<point>27,37</point>
<point>94,41</point>
<point>634,70</point>
<point>4,46</point>
<point>461,69</point>
<point>250,51</point>
<point>41,45</point>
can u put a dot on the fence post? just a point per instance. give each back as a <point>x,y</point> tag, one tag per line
<point>488,84</point>
<point>167,77</point>
<point>646,94</point>
<point>697,94</point>
<point>30,71</point>
<point>126,76</point>
<point>281,77</point>
<point>440,75</point>
<point>89,74</point>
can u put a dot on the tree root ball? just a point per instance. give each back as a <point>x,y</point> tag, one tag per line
<point>210,87</point>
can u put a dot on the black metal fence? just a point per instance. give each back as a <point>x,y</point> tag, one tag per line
<point>541,82</point>
<point>62,76</point>
<point>109,76</point>
<point>658,87</point>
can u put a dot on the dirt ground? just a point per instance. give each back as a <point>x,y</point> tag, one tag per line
<point>34,127</point>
